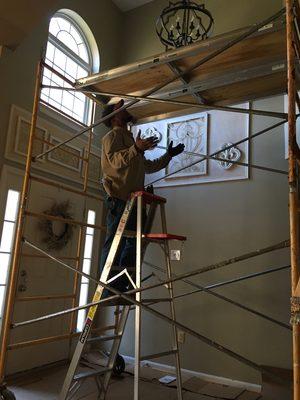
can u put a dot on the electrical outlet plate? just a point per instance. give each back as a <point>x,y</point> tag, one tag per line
<point>175,255</point>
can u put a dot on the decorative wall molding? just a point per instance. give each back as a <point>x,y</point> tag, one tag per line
<point>152,131</point>
<point>192,132</point>
<point>252,387</point>
<point>202,133</point>
<point>66,159</point>
<point>233,154</point>
<point>65,164</point>
<point>22,138</point>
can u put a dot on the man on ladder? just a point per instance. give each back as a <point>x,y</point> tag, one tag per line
<point>124,167</point>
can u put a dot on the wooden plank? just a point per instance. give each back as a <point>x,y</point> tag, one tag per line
<point>235,93</point>
<point>263,49</point>
<point>138,81</point>
<point>253,51</point>
<point>247,90</point>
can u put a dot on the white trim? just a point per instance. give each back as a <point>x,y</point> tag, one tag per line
<point>21,119</point>
<point>252,387</point>
<point>69,123</point>
<point>61,133</point>
<point>54,139</point>
<point>87,32</point>
<point>67,51</point>
<point>92,50</point>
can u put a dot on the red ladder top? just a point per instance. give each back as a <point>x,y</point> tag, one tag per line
<point>149,197</point>
<point>163,236</point>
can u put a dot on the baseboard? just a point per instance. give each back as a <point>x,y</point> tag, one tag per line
<point>210,378</point>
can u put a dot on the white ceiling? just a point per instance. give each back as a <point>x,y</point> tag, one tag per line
<point>125,5</point>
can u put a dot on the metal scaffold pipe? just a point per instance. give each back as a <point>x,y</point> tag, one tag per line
<point>207,289</point>
<point>243,164</point>
<point>177,324</point>
<point>126,295</point>
<point>250,137</point>
<point>198,106</point>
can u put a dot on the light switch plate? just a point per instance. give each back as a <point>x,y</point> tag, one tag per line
<point>175,255</point>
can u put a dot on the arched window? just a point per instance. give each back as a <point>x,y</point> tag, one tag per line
<point>68,52</point>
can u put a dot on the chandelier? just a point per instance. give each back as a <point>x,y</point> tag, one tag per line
<point>183,22</point>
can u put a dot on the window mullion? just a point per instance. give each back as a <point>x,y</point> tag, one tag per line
<point>81,33</point>
<point>68,52</point>
<point>66,104</point>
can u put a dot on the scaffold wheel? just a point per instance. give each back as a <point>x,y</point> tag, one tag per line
<point>119,366</point>
<point>6,394</point>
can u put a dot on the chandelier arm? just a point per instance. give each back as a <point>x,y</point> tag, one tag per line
<point>160,21</point>
<point>185,33</point>
<point>185,24</point>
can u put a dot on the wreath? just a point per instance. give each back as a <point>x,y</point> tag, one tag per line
<point>57,233</point>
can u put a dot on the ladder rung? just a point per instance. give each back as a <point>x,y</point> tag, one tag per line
<point>149,197</point>
<point>157,355</point>
<point>88,374</point>
<point>163,236</point>
<point>103,338</point>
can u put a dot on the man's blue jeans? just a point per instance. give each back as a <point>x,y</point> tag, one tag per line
<point>126,255</point>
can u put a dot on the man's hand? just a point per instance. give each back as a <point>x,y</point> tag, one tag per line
<point>174,151</point>
<point>145,144</point>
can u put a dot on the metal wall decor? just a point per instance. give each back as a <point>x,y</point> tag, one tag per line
<point>182,23</point>
<point>193,133</point>
<point>233,154</point>
<point>152,131</point>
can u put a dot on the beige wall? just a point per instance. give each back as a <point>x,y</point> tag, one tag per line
<point>142,41</point>
<point>222,220</point>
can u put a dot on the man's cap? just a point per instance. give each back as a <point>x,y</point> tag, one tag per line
<point>109,108</point>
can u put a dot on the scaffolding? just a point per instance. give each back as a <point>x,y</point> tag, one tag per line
<point>182,98</point>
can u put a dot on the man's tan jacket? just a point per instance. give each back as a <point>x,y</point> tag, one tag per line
<point>123,166</point>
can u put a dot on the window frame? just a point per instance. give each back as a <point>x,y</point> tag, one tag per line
<point>89,67</point>
<point>84,282</point>
<point>10,252</point>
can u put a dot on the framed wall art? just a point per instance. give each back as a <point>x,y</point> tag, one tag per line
<point>209,154</point>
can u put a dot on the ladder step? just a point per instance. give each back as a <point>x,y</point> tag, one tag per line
<point>157,355</point>
<point>103,338</point>
<point>149,197</point>
<point>163,236</point>
<point>89,374</point>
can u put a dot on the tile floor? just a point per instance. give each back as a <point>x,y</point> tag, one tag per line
<point>46,386</point>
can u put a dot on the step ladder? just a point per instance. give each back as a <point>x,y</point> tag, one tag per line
<point>102,375</point>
